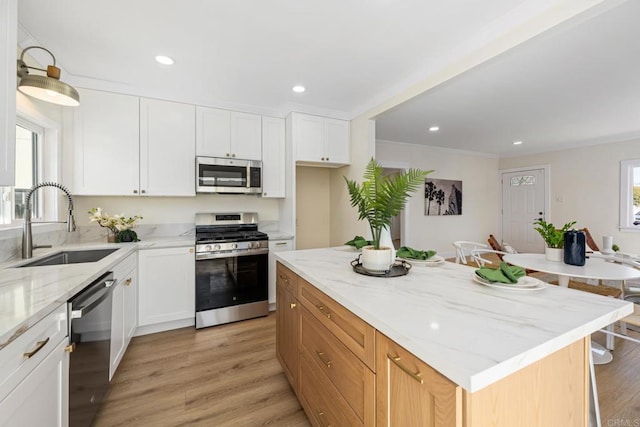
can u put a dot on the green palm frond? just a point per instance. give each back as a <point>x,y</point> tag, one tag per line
<point>379,198</point>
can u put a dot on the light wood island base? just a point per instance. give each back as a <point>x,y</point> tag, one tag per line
<point>344,372</point>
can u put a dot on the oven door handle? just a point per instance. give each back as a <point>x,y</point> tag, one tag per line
<point>77,313</point>
<point>204,256</point>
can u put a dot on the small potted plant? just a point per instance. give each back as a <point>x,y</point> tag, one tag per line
<point>553,237</point>
<point>379,198</point>
<point>120,227</point>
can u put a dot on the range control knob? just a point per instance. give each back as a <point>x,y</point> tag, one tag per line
<point>207,248</point>
<point>234,246</point>
<point>216,247</point>
<point>253,245</point>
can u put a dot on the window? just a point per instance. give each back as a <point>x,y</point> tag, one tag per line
<point>516,181</point>
<point>630,195</point>
<point>28,151</point>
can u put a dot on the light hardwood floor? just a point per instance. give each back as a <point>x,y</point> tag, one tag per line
<point>222,376</point>
<point>228,376</point>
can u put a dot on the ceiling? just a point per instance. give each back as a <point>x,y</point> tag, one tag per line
<point>575,84</point>
<point>248,54</point>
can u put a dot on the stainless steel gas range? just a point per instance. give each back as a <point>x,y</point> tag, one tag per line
<point>231,268</point>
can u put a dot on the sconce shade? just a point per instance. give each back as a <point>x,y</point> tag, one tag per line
<point>47,88</point>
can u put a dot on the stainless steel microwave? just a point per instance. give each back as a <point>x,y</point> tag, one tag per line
<point>231,176</point>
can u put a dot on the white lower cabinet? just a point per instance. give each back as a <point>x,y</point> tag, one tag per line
<point>34,375</point>
<point>166,285</point>
<point>276,246</point>
<point>124,316</point>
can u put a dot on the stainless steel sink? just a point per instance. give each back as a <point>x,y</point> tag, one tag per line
<point>71,257</point>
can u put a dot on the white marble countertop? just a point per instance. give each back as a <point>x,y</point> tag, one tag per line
<point>279,235</point>
<point>29,294</point>
<point>472,334</point>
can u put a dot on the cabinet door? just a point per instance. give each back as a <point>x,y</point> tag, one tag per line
<point>117,329</point>
<point>8,43</point>
<point>130,305</point>
<point>276,246</point>
<point>105,144</point>
<point>42,398</point>
<point>166,285</point>
<point>246,136</point>
<point>167,148</point>
<point>213,132</point>
<point>308,137</point>
<point>287,329</point>
<point>273,157</point>
<point>337,141</point>
<point>409,392</point>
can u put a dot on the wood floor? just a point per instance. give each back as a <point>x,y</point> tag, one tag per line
<point>221,376</point>
<point>228,376</point>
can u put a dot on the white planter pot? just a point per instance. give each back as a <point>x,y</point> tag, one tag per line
<point>554,254</point>
<point>376,259</point>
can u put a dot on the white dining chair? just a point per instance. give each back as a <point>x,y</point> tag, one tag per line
<point>479,255</point>
<point>464,247</point>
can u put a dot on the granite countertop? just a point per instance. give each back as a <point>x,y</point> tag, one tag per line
<point>29,294</point>
<point>472,334</point>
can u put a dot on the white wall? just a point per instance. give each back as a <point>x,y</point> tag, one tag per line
<point>585,185</point>
<point>480,195</point>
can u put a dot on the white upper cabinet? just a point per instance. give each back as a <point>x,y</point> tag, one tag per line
<point>223,133</point>
<point>273,157</point>
<point>167,148</point>
<point>8,43</point>
<point>123,145</point>
<point>320,141</point>
<point>105,138</point>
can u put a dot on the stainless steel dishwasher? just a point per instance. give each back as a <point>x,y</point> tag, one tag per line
<point>90,336</point>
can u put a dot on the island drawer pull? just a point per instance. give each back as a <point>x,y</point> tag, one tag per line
<point>39,346</point>
<point>284,278</point>
<point>320,415</point>
<point>415,375</point>
<point>282,243</point>
<point>327,363</point>
<point>323,311</point>
<point>292,305</point>
<point>128,282</point>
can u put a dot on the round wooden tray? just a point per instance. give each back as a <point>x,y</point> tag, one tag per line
<point>399,268</point>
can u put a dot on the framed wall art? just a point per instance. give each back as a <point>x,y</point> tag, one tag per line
<point>442,197</point>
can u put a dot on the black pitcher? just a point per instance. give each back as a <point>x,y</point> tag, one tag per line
<point>574,247</point>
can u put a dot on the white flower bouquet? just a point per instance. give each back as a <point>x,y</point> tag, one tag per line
<point>118,225</point>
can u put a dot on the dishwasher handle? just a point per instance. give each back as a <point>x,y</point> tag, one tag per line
<point>104,289</point>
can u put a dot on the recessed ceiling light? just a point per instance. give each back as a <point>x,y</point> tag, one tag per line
<point>164,60</point>
<point>298,89</point>
<point>517,142</point>
<point>434,129</point>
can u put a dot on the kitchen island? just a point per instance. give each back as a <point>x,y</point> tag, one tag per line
<point>512,357</point>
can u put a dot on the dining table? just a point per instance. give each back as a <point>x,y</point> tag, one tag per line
<point>595,267</point>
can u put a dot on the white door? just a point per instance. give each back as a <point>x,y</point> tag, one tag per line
<point>523,201</point>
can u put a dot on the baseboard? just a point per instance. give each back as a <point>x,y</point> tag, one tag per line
<point>164,326</point>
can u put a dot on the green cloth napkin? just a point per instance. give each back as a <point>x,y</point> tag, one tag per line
<point>358,242</point>
<point>410,253</point>
<point>505,274</point>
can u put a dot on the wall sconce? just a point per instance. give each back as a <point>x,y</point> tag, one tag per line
<point>47,88</point>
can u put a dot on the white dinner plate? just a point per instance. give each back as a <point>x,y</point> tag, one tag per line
<point>434,261</point>
<point>526,283</point>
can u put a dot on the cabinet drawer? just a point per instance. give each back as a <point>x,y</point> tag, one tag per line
<point>357,335</point>
<point>322,402</point>
<point>349,375</point>
<point>287,279</point>
<point>23,354</point>
<point>122,271</point>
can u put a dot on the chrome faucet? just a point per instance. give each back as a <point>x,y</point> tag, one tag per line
<point>27,239</point>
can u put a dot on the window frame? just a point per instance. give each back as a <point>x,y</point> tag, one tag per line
<point>626,195</point>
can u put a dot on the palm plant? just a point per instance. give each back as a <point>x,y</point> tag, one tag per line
<point>379,198</point>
